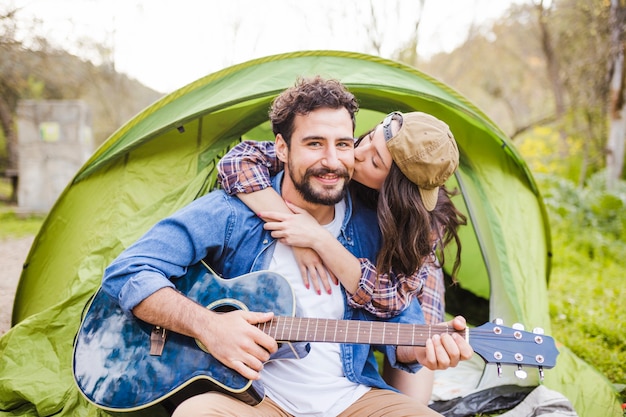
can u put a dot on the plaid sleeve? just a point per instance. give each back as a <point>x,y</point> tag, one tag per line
<point>432,295</point>
<point>385,295</point>
<point>248,167</point>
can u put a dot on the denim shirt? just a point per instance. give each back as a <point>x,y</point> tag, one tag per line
<point>223,231</point>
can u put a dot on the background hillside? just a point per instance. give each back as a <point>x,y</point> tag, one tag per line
<point>53,74</point>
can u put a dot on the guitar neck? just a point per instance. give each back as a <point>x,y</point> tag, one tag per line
<point>302,329</point>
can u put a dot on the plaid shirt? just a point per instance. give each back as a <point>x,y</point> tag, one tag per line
<point>248,167</point>
<point>388,294</point>
<point>432,296</point>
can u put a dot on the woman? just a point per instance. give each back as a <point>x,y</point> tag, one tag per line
<point>400,168</point>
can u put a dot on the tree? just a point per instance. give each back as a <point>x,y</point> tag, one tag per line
<point>10,85</point>
<point>617,110</point>
<point>500,68</point>
<point>35,69</point>
<point>580,30</point>
<point>553,71</point>
<point>542,66</point>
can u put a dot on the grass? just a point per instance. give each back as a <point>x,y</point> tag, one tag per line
<point>13,225</point>
<point>587,307</point>
<point>586,288</point>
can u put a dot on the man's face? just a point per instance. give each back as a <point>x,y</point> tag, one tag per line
<point>320,160</point>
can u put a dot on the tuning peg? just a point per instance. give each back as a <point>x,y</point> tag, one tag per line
<point>538,330</point>
<point>498,321</point>
<point>499,366</point>
<point>518,326</point>
<point>541,373</point>
<point>520,373</point>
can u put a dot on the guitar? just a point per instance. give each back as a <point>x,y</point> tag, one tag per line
<point>122,364</point>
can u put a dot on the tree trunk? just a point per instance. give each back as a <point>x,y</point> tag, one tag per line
<point>552,67</point>
<point>617,125</point>
<point>6,122</point>
<point>617,113</point>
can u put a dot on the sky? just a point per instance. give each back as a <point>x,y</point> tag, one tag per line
<point>166,44</point>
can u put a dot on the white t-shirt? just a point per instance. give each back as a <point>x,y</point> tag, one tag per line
<point>314,385</point>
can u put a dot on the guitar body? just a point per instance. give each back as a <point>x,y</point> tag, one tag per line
<point>115,371</point>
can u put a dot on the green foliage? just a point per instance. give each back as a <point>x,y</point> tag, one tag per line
<point>587,290</point>
<point>36,87</point>
<point>599,212</point>
<point>538,147</point>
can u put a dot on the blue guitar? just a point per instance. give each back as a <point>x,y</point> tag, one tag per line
<point>124,365</point>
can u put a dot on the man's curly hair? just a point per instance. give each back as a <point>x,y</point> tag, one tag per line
<point>307,95</point>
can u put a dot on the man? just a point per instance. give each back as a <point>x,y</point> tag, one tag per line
<point>314,124</point>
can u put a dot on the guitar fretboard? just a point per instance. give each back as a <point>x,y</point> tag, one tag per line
<point>302,329</point>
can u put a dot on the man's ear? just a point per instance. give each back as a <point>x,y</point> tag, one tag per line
<point>281,149</point>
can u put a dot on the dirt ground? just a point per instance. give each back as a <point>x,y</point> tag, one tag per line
<point>13,253</point>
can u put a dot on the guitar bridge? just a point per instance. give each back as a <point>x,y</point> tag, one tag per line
<point>157,341</point>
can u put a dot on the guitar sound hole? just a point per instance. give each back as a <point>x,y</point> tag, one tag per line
<point>225,308</point>
<point>227,304</point>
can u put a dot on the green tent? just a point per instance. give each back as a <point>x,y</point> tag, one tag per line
<point>165,157</point>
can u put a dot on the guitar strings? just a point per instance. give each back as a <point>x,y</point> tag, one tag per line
<point>291,325</point>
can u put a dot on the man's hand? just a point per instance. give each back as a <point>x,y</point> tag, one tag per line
<point>303,233</point>
<point>296,229</point>
<point>232,340</point>
<point>230,337</point>
<point>440,352</point>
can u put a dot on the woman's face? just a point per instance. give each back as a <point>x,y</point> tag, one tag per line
<point>372,160</point>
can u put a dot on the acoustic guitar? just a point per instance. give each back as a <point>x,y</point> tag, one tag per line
<point>124,365</point>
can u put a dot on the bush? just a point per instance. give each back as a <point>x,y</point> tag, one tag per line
<point>586,289</point>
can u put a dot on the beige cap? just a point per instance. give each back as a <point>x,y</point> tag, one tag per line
<point>425,151</point>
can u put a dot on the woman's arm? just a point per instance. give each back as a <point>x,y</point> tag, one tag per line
<point>245,171</point>
<point>382,294</point>
<point>248,167</point>
<point>391,293</point>
<point>309,262</point>
<point>432,296</point>
<point>300,229</point>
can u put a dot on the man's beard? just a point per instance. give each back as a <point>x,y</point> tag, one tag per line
<point>329,198</point>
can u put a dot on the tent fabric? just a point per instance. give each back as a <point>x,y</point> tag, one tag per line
<point>165,157</point>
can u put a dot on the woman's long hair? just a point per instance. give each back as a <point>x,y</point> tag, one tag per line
<point>409,231</point>
<point>446,220</point>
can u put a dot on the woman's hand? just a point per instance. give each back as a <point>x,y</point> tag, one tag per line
<point>313,270</point>
<point>301,231</point>
<point>296,229</point>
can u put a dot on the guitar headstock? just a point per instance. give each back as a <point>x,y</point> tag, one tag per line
<point>499,344</point>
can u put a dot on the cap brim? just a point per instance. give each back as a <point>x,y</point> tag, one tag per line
<point>429,197</point>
